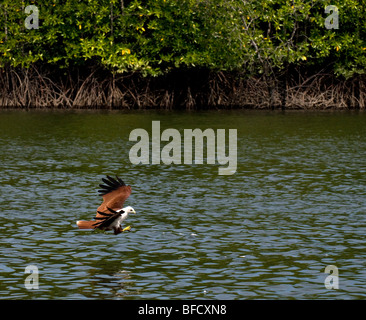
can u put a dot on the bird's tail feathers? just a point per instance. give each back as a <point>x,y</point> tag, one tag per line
<point>85,224</point>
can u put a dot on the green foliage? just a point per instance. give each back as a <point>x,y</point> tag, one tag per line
<point>156,36</point>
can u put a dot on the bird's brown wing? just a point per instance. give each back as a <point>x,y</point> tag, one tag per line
<point>104,220</point>
<point>114,192</point>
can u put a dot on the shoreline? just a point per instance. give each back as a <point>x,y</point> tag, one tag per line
<point>195,89</point>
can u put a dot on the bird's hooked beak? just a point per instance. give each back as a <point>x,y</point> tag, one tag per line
<point>133,211</point>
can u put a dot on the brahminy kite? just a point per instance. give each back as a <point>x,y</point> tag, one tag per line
<point>110,214</point>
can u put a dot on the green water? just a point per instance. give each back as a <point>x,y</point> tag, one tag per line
<point>295,205</point>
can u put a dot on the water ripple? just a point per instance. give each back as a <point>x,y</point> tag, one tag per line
<point>295,206</point>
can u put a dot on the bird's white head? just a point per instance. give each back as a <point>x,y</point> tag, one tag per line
<point>129,209</point>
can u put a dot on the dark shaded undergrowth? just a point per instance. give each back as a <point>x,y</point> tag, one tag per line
<point>94,87</point>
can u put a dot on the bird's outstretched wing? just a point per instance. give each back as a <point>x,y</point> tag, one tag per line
<point>105,219</point>
<point>114,192</point>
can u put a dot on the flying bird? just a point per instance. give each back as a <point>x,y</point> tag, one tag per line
<point>111,213</point>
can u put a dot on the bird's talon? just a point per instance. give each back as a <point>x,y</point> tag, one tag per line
<point>127,229</point>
